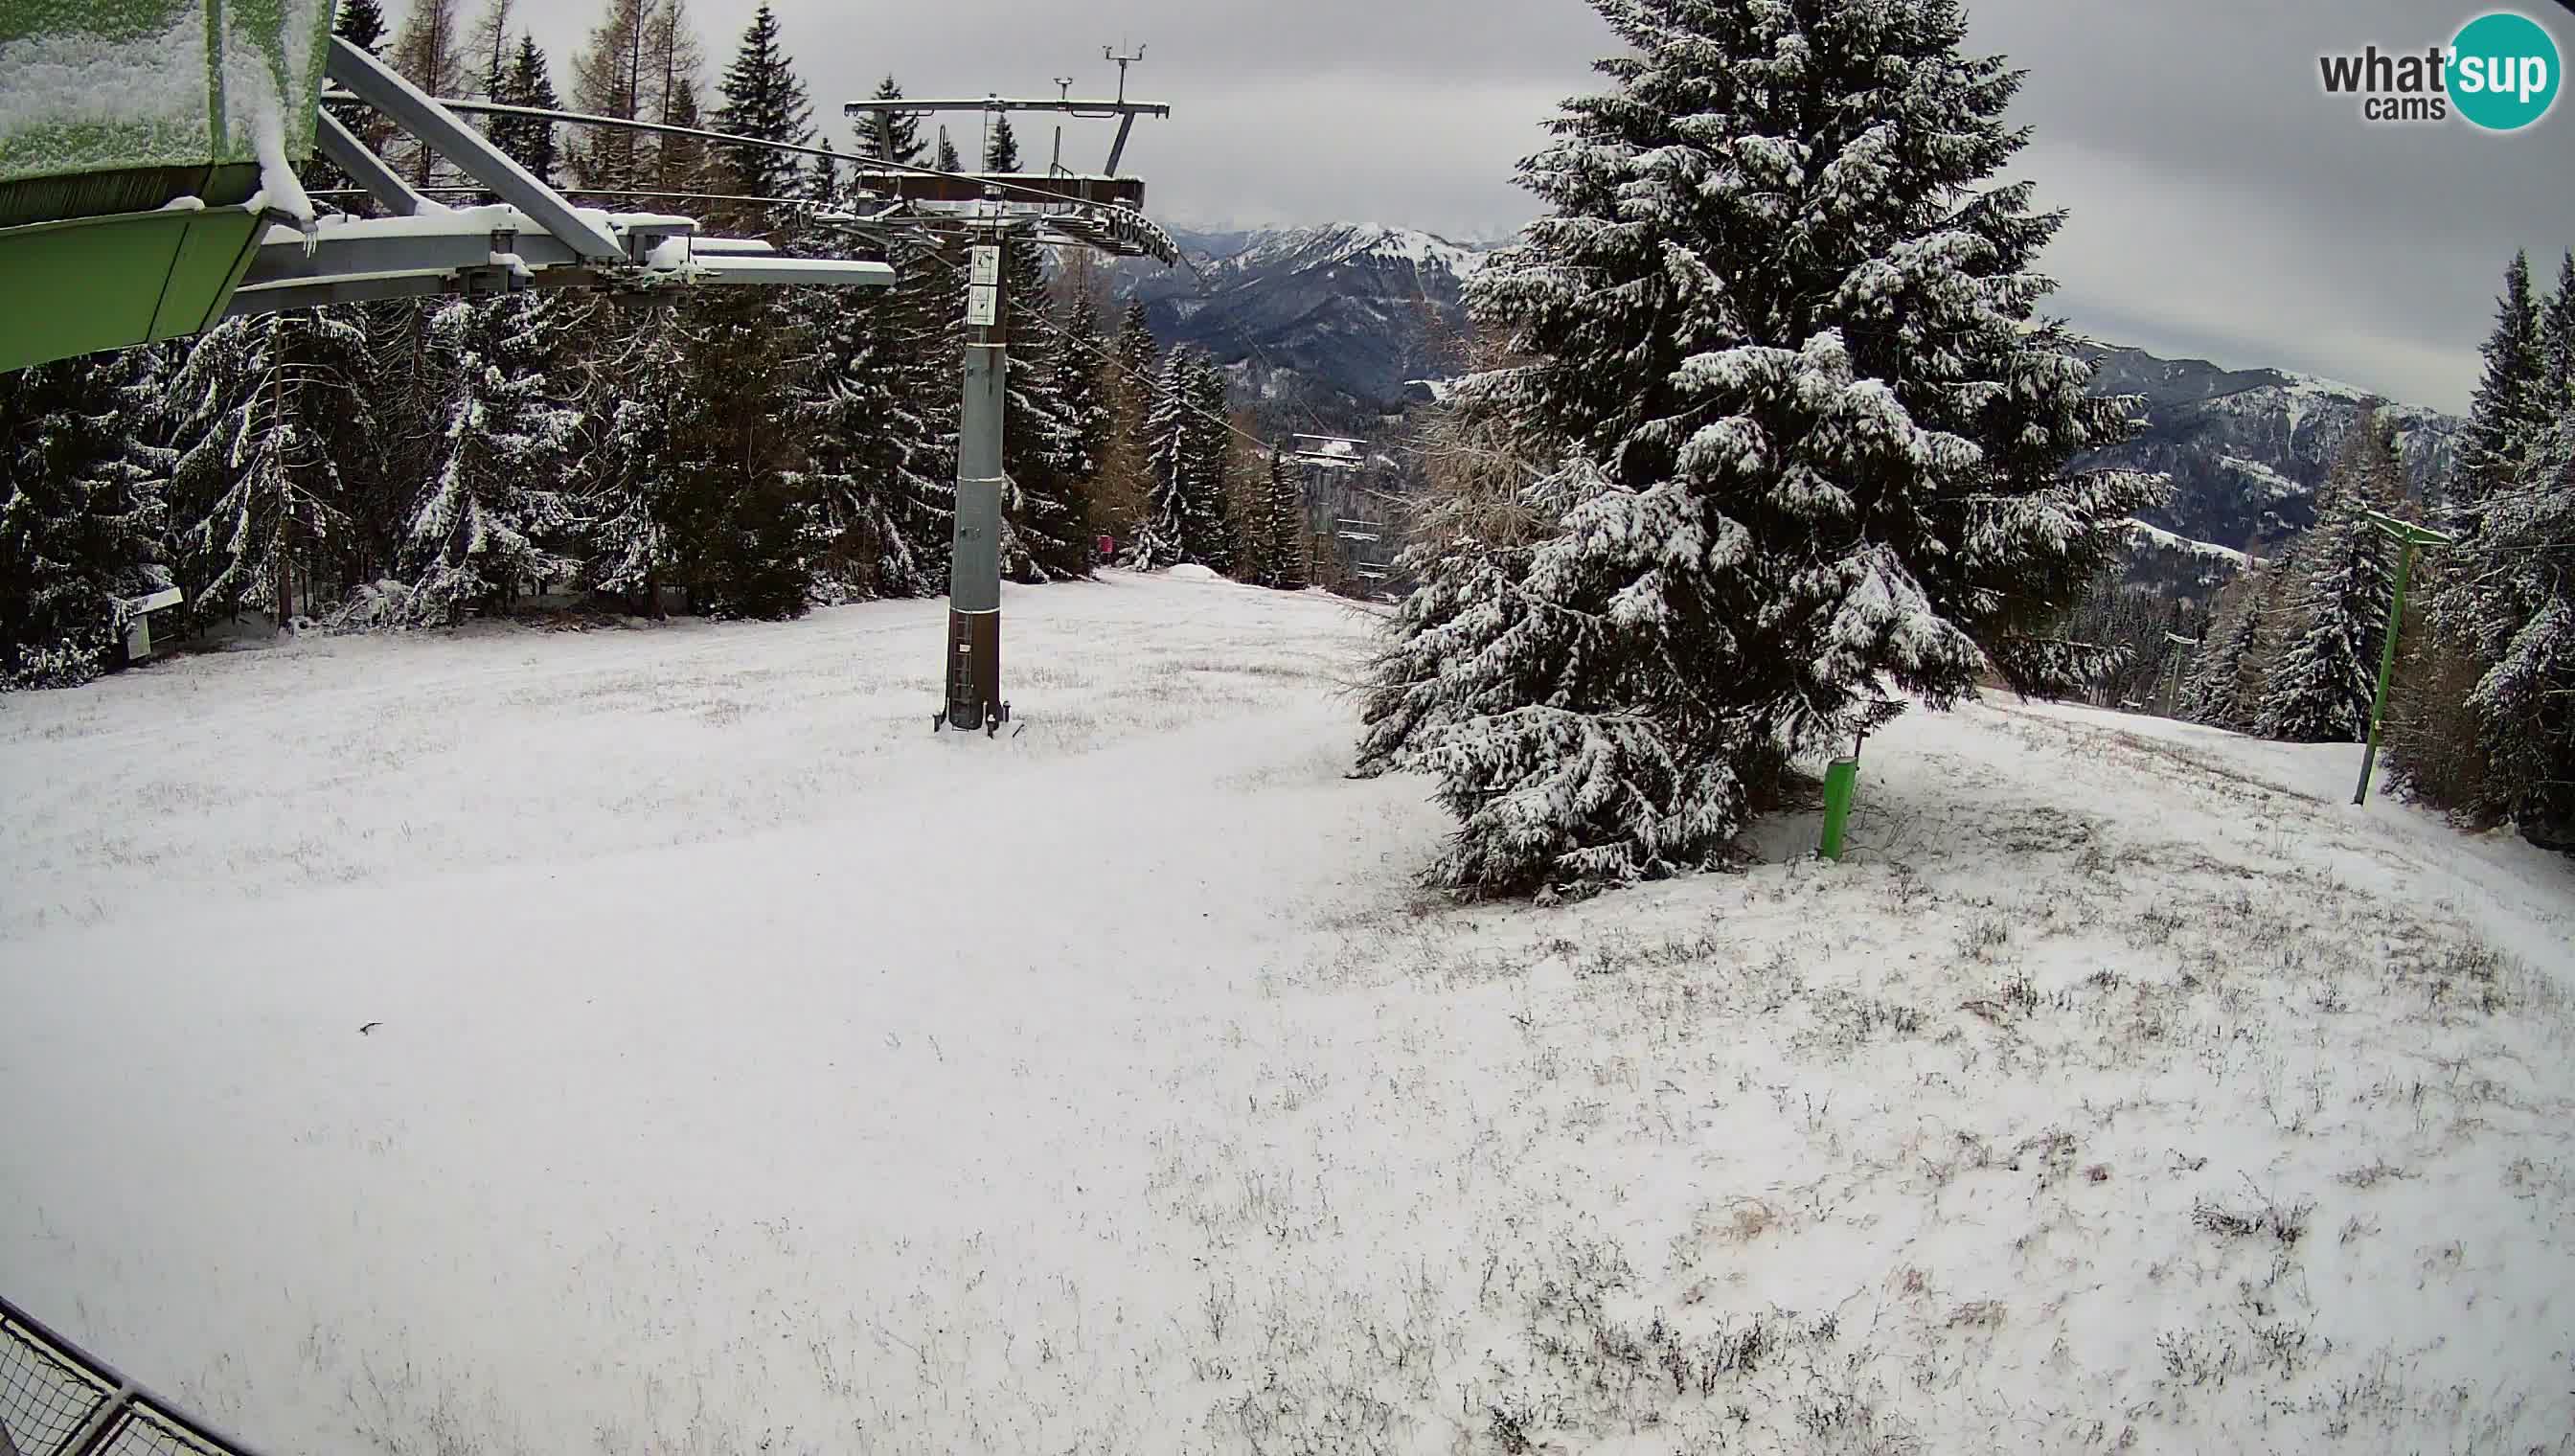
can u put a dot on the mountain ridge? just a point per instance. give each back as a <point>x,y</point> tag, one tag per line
<point>1345,324</point>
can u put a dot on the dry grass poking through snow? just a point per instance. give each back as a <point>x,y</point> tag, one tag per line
<point>2106,1102</point>
<point>2127,1091</point>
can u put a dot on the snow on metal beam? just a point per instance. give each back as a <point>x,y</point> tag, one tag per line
<point>833,272</point>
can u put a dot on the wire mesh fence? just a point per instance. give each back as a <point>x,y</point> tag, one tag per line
<point>56,1399</point>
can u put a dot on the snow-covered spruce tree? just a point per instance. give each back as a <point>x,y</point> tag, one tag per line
<point>80,512</point>
<point>2214,694</point>
<point>1048,519</point>
<point>1219,545</point>
<point>2506,415</point>
<point>492,517</point>
<point>2523,601</point>
<point>2557,342</point>
<point>1814,437</point>
<point>639,467</point>
<point>742,533</point>
<point>2483,595</point>
<point>1154,543</point>
<point>874,462</point>
<point>915,325</point>
<point>258,413</point>
<point>1081,373</point>
<point>1284,507</point>
<point>1185,501</point>
<point>2318,688</point>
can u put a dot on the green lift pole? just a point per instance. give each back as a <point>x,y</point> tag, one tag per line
<point>1841,786</point>
<point>2407,537</point>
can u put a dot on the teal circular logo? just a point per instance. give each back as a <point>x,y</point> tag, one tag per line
<point>2504,71</point>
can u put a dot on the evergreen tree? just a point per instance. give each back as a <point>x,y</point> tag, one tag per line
<point>2521,610</point>
<point>744,528</point>
<point>2318,690</point>
<point>1082,370</point>
<point>764,99</point>
<point>1185,519</point>
<point>81,514</point>
<point>876,469</point>
<point>681,164</point>
<point>1049,521</point>
<point>261,408</point>
<point>824,185</point>
<point>948,160</point>
<point>1220,544</point>
<point>1285,501</point>
<point>2214,694</point>
<point>1814,443</point>
<point>2506,413</point>
<point>905,130</point>
<point>2557,343</point>
<point>360,23</point>
<point>491,517</point>
<point>638,469</point>
<point>528,140</point>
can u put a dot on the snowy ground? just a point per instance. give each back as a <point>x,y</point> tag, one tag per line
<point>757,1072</point>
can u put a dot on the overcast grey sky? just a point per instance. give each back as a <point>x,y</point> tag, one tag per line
<point>2224,207</point>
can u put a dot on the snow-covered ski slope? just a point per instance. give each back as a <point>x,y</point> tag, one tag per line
<point>753,1072</point>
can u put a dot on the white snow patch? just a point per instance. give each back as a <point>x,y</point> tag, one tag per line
<point>59,78</point>
<point>748,1063</point>
<point>2173,542</point>
<point>2270,481</point>
<point>1192,572</point>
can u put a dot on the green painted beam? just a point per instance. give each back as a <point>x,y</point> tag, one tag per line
<point>95,284</point>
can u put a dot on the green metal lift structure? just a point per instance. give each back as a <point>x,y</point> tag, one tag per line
<point>148,185</point>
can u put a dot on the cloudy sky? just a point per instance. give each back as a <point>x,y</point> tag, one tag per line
<point>2224,207</point>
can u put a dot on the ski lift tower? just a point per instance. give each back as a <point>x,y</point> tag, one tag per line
<point>904,204</point>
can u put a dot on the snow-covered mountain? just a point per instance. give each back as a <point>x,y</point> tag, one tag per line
<point>2247,447</point>
<point>1339,317</point>
<point>1343,322</point>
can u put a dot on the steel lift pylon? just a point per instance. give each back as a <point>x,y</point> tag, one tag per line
<point>1098,210</point>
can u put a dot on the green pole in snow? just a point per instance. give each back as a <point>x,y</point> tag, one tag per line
<point>1841,779</point>
<point>2407,537</point>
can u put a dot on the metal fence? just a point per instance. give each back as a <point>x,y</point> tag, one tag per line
<point>57,1399</point>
